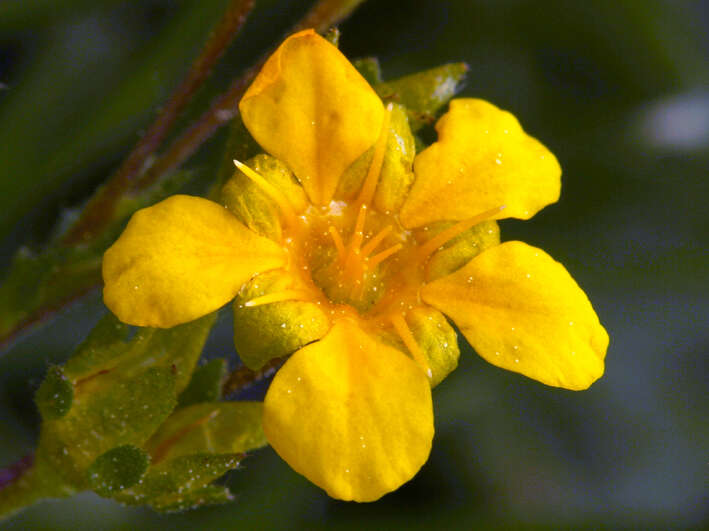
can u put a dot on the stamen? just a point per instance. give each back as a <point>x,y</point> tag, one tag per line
<point>376,240</point>
<point>380,257</point>
<point>356,239</point>
<point>278,296</point>
<point>273,192</point>
<point>338,242</point>
<point>370,182</point>
<point>428,248</point>
<point>397,320</point>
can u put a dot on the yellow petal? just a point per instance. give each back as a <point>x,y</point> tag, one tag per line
<point>180,259</point>
<point>310,108</point>
<point>522,311</point>
<point>484,160</point>
<point>351,414</point>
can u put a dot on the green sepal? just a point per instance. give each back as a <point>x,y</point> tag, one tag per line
<point>396,174</point>
<point>274,330</point>
<point>118,469</point>
<point>461,249</point>
<point>55,395</point>
<point>205,385</point>
<point>369,68</point>
<point>252,206</point>
<point>178,502</point>
<point>220,427</point>
<point>437,339</point>
<point>179,476</point>
<point>424,93</point>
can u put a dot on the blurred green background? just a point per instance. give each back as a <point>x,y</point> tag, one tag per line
<point>619,91</point>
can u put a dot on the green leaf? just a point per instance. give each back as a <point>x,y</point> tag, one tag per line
<point>182,475</point>
<point>177,502</point>
<point>108,411</point>
<point>108,352</point>
<point>117,469</point>
<point>55,276</point>
<point>424,93</point>
<point>57,273</point>
<point>205,385</point>
<point>370,69</point>
<point>101,349</point>
<point>55,395</point>
<point>221,427</point>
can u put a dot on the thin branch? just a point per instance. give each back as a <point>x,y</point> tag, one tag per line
<point>243,377</point>
<point>322,16</point>
<point>97,211</point>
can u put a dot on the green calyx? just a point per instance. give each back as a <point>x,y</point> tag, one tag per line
<point>274,330</point>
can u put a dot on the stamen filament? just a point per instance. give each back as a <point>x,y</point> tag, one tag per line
<point>356,239</point>
<point>273,192</point>
<point>376,240</point>
<point>370,182</point>
<point>338,242</point>
<point>380,257</point>
<point>278,296</point>
<point>399,323</point>
<point>428,248</point>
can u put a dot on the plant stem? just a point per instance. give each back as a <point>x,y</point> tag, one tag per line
<point>225,107</point>
<point>26,482</point>
<point>15,470</point>
<point>99,209</point>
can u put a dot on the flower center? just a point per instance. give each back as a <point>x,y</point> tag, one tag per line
<point>353,259</point>
<point>355,255</point>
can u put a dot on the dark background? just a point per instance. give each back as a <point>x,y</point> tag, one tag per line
<point>619,91</point>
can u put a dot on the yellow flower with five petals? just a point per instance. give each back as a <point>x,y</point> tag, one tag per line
<point>343,255</point>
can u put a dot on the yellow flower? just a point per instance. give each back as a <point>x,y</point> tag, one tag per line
<point>338,250</point>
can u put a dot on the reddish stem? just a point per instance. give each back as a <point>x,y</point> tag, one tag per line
<point>99,209</point>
